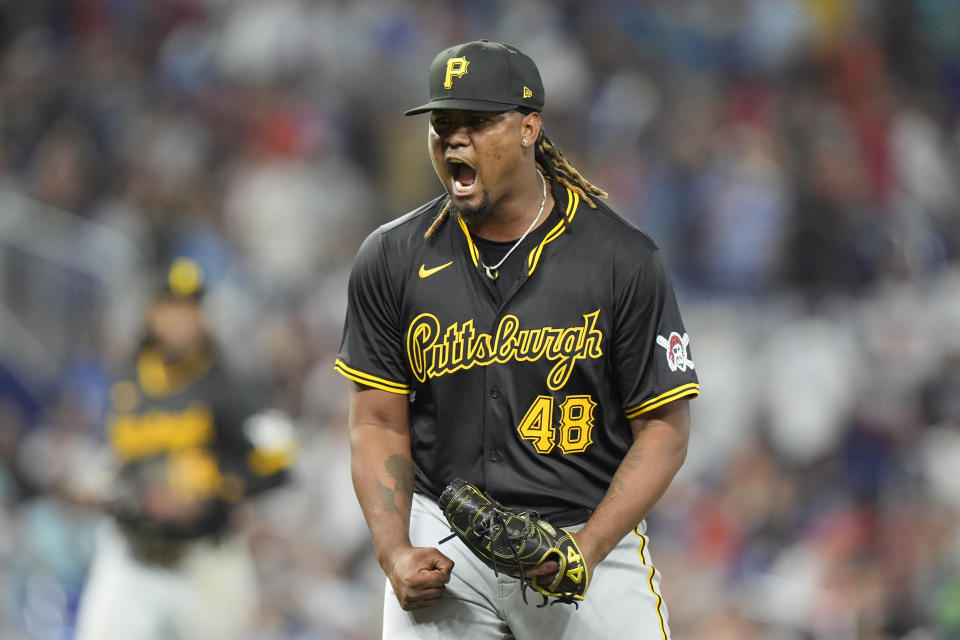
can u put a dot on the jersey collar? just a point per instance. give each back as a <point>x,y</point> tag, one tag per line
<point>158,378</point>
<point>533,258</point>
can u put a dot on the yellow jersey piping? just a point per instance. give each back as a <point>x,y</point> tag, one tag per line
<point>369,380</point>
<point>474,253</point>
<point>692,389</point>
<point>573,201</point>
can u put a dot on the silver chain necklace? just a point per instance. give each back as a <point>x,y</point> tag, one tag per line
<point>493,272</point>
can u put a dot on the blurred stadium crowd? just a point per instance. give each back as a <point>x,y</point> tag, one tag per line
<point>797,160</point>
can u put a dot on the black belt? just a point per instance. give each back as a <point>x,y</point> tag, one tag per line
<point>556,517</point>
<point>567,517</point>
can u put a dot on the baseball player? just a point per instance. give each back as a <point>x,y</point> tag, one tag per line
<point>517,333</point>
<point>190,444</point>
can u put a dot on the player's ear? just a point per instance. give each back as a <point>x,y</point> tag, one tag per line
<point>530,129</point>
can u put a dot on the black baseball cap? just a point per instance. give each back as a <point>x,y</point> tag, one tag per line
<point>483,76</point>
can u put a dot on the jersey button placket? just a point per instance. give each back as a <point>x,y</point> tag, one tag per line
<point>494,456</point>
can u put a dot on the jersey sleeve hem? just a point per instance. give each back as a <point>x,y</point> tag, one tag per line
<point>691,390</point>
<point>369,380</point>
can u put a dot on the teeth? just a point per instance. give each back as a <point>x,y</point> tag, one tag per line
<point>456,161</point>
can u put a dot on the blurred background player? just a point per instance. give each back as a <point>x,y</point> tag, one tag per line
<point>190,444</point>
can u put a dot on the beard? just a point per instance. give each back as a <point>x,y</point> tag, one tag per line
<point>478,213</point>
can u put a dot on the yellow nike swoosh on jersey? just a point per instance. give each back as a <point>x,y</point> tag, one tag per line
<point>426,273</point>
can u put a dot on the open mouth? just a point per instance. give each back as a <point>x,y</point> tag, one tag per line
<point>464,177</point>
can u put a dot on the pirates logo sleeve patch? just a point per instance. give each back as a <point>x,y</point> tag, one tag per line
<point>676,348</point>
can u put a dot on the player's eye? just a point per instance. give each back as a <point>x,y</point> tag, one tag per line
<point>440,123</point>
<point>479,121</point>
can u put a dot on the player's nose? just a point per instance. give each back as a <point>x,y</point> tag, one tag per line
<point>457,136</point>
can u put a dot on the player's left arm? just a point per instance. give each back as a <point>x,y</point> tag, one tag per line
<point>659,448</point>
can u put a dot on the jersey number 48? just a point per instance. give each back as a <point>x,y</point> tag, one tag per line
<point>576,424</point>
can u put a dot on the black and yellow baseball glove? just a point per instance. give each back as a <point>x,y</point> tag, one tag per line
<point>513,542</point>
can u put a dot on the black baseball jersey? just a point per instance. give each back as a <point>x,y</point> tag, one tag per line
<point>185,423</point>
<point>525,386</point>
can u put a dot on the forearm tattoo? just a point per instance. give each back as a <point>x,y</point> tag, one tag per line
<point>619,485</point>
<point>400,469</point>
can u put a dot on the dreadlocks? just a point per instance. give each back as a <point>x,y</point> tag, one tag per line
<point>562,174</point>
<point>438,220</point>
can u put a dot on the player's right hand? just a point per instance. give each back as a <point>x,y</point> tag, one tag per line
<point>418,576</point>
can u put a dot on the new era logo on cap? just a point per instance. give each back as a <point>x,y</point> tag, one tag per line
<point>483,76</point>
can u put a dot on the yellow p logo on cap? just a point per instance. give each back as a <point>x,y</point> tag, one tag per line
<point>455,67</point>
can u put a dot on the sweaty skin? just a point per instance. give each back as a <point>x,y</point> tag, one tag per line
<point>382,471</point>
<point>487,168</point>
